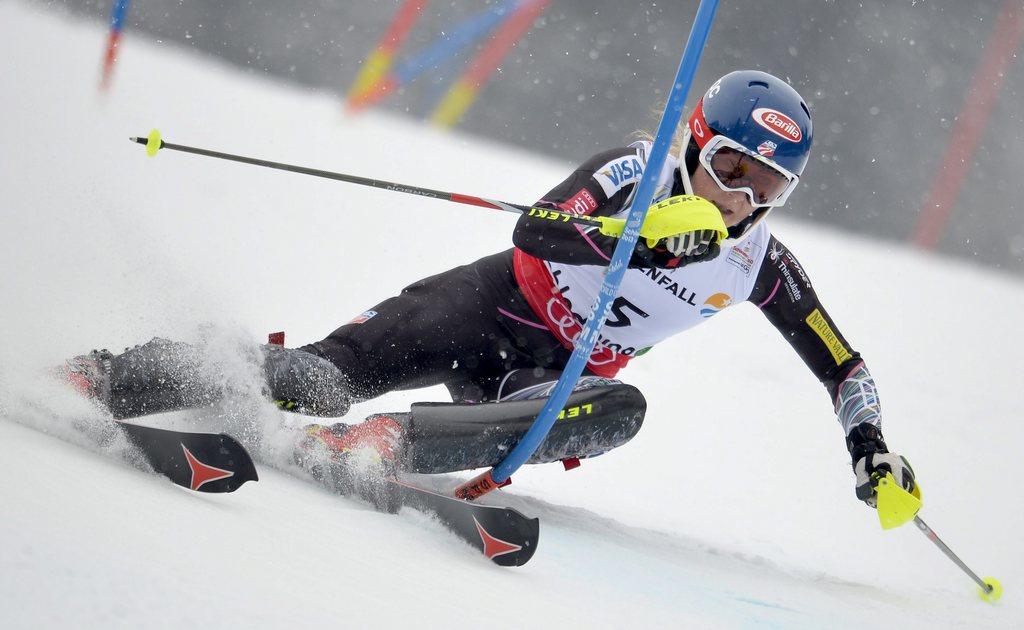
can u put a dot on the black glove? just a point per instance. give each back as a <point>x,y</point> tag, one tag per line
<point>871,460</point>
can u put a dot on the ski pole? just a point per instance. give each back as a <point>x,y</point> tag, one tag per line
<point>991,589</point>
<point>896,507</point>
<point>154,143</point>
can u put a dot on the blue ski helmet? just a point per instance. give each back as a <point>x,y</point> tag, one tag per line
<point>759,111</point>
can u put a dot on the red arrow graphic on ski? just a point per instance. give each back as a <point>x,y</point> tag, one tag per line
<point>202,473</point>
<point>494,546</point>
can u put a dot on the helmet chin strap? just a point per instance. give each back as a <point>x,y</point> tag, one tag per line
<point>737,233</point>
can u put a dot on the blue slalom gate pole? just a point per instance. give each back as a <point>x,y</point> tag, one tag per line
<point>117,14</point>
<point>443,49</point>
<point>447,47</point>
<point>585,342</point>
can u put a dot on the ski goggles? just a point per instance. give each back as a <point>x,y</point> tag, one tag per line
<point>734,167</point>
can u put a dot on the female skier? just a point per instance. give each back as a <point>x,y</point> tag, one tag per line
<point>500,329</point>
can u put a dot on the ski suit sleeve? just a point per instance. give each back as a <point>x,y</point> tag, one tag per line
<point>785,295</point>
<point>601,186</point>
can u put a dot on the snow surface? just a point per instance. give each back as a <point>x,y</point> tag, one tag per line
<point>733,507</point>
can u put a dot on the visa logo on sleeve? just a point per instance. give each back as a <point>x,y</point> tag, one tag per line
<point>616,174</point>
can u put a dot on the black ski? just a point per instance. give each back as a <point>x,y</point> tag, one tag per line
<point>204,462</point>
<point>503,535</point>
<point>445,437</point>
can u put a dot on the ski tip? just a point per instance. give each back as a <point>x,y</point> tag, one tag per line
<point>203,462</point>
<point>243,466</point>
<point>507,555</point>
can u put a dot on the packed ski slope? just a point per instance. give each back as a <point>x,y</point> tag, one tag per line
<point>733,507</point>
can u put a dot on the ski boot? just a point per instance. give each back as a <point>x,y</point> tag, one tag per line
<point>162,375</point>
<point>356,459</point>
<point>89,374</point>
<point>157,376</point>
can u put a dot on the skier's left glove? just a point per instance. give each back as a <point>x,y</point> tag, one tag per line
<point>872,460</point>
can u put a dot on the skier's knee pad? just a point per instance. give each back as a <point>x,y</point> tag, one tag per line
<point>305,383</point>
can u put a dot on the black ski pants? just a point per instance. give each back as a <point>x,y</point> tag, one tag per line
<point>461,328</point>
<point>468,328</point>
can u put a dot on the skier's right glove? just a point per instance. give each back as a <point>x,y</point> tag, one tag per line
<point>678,251</point>
<point>872,460</point>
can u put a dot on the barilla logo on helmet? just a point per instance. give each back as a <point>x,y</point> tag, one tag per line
<point>778,123</point>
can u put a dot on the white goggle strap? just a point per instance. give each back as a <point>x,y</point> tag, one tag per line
<point>684,174</point>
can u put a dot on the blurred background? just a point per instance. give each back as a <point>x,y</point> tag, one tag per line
<point>916,103</point>
<point>101,247</point>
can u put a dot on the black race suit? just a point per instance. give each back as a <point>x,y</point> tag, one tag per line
<point>469,326</point>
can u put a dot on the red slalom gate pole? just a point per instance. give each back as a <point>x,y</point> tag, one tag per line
<point>461,96</point>
<point>378,63</point>
<point>118,12</point>
<point>970,123</point>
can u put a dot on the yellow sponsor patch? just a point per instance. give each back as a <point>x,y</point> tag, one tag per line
<point>818,324</point>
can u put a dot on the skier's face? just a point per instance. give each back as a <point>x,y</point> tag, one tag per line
<point>733,204</point>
